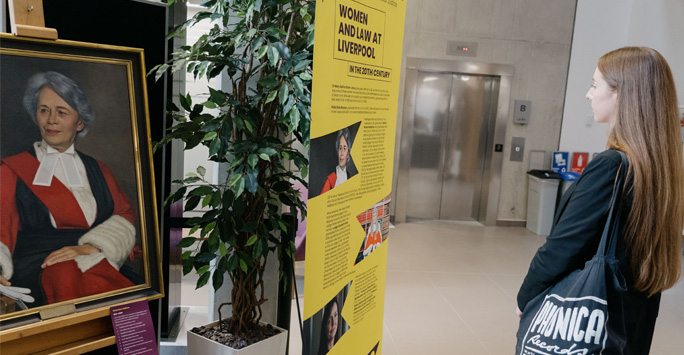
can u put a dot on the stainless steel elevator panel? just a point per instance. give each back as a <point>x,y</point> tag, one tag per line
<point>431,118</point>
<point>472,110</point>
<point>453,123</point>
<point>456,173</point>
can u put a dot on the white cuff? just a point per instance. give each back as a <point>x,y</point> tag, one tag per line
<point>85,262</point>
<point>115,237</point>
<point>6,261</point>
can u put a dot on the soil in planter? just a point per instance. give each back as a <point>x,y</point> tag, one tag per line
<point>219,333</point>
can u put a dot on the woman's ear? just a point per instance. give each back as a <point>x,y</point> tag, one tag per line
<point>81,124</point>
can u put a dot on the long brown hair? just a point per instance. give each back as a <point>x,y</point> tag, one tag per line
<point>647,129</point>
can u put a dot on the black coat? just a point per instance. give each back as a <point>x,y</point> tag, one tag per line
<point>574,239</point>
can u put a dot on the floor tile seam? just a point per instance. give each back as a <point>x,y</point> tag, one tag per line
<point>460,317</point>
<point>389,332</point>
<point>500,288</point>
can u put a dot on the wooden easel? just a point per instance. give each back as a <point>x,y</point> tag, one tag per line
<point>28,20</point>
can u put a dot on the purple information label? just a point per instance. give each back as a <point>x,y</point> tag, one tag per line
<point>133,329</point>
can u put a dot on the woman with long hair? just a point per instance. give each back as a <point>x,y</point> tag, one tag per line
<point>328,337</point>
<point>633,91</point>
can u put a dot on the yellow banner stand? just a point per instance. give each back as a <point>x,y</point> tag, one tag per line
<point>357,63</point>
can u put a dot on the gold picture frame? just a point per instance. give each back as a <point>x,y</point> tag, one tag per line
<point>113,79</point>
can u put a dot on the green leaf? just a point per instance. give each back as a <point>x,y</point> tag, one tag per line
<point>252,240</point>
<point>209,227</point>
<point>302,65</point>
<point>249,127</point>
<point>264,157</point>
<point>253,160</point>
<point>282,93</point>
<point>251,182</point>
<point>269,82</point>
<point>203,269</point>
<point>304,172</point>
<point>281,186</point>
<point>204,258</point>
<point>273,56</point>
<point>251,32</point>
<point>282,49</point>
<point>201,171</point>
<point>192,179</point>
<point>215,199</point>
<point>217,280</point>
<point>188,265</point>
<point>218,97</point>
<point>186,102</point>
<point>186,242</point>
<point>298,85</point>
<point>305,76</point>
<point>209,136</point>
<point>262,51</point>
<point>271,96</point>
<point>239,187</point>
<point>258,248</point>
<point>286,200</point>
<point>161,70</point>
<point>282,225</point>
<point>268,151</point>
<point>294,119</point>
<point>206,201</point>
<point>235,163</point>
<point>209,104</point>
<point>214,147</point>
<point>243,266</point>
<point>234,179</point>
<point>310,38</point>
<point>203,280</point>
<point>222,249</point>
<point>191,203</point>
<point>186,254</point>
<point>232,263</point>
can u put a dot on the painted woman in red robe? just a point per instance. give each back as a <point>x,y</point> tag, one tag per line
<point>67,227</point>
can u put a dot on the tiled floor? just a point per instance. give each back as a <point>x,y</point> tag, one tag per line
<point>451,290</point>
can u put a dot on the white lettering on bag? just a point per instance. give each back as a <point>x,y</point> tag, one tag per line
<point>571,324</point>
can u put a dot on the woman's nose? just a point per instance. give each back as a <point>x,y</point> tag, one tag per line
<point>52,117</point>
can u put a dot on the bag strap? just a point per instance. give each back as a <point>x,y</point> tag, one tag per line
<point>612,226</point>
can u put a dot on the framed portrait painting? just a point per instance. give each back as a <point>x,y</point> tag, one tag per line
<point>77,202</point>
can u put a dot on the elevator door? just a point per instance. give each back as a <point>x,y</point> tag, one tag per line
<point>453,126</point>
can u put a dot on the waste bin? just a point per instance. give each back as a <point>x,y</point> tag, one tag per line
<point>541,200</point>
<point>568,178</point>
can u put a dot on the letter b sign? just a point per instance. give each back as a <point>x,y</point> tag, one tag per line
<point>522,111</point>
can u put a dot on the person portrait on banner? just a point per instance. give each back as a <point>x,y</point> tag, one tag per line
<point>343,144</point>
<point>329,327</point>
<point>374,236</point>
<point>633,91</point>
<point>67,227</point>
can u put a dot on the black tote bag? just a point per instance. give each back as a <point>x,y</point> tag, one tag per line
<point>571,317</point>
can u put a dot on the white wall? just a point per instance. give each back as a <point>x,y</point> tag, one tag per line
<point>602,26</point>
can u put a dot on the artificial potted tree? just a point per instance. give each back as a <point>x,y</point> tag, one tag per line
<point>264,47</point>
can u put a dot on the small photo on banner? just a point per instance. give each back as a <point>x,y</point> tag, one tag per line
<point>375,223</point>
<point>331,160</point>
<point>579,162</point>
<point>559,163</point>
<point>325,328</point>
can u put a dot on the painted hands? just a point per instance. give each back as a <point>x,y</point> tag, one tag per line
<point>68,253</point>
